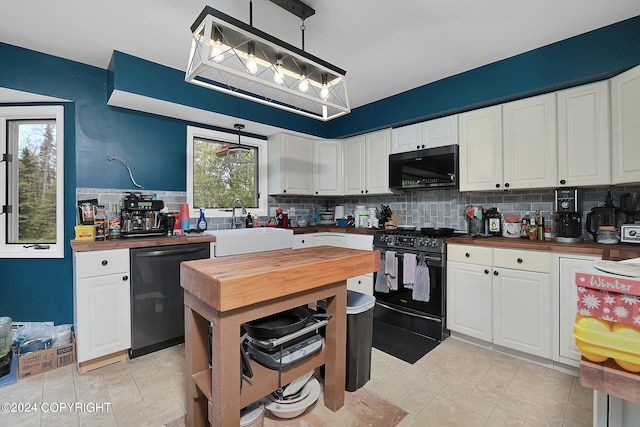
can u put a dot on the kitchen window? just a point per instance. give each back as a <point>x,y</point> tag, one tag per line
<point>213,181</point>
<point>31,146</point>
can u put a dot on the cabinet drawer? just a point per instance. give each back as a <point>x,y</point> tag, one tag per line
<point>470,254</point>
<point>523,260</point>
<point>100,263</point>
<point>362,284</point>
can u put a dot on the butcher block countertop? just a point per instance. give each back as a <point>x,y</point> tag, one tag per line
<point>136,242</point>
<point>237,281</point>
<point>585,248</point>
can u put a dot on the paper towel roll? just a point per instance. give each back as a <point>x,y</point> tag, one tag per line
<point>339,212</point>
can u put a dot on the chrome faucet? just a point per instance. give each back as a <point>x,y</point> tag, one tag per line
<point>233,212</point>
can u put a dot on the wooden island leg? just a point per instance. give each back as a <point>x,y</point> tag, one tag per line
<point>225,376</point>
<point>196,350</point>
<point>336,349</point>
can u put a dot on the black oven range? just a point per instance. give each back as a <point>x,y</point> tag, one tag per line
<point>399,304</point>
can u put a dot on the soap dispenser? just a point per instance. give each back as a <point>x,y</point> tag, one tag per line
<point>202,222</point>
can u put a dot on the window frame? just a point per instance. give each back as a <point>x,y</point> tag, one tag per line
<point>35,112</point>
<point>196,132</point>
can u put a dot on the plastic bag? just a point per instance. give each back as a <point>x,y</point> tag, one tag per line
<point>33,330</point>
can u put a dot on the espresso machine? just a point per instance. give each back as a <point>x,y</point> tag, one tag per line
<point>567,216</point>
<point>140,216</point>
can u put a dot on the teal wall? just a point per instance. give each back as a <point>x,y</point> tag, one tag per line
<point>37,290</point>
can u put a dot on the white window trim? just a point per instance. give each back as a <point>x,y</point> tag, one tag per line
<point>54,250</point>
<point>195,132</point>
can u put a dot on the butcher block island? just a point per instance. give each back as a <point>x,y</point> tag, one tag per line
<point>229,291</point>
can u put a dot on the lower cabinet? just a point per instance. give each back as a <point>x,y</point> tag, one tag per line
<point>101,304</point>
<point>302,241</point>
<point>565,268</point>
<point>501,296</point>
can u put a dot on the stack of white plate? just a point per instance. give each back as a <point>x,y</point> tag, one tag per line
<point>294,402</point>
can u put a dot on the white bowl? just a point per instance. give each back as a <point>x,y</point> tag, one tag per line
<point>291,410</point>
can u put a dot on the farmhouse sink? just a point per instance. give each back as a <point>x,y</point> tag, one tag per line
<point>250,240</point>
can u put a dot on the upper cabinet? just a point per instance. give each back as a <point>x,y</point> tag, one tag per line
<point>529,147</point>
<point>290,165</point>
<point>327,168</point>
<point>509,146</point>
<point>584,156</point>
<point>481,149</point>
<point>625,126</point>
<point>429,134</point>
<point>366,163</point>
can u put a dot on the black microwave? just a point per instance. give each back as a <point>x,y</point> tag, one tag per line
<point>429,168</point>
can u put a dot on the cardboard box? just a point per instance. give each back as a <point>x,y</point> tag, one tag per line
<point>609,297</point>
<point>36,362</point>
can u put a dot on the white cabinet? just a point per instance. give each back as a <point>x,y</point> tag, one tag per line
<point>509,146</point>
<point>584,147</point>
<point>432,133</point>
<point>291,166</point>
<point>366,163</point>
<point>327,168</point>
<point>302,240</point>
<point>480,134</point>
<point>501,296</point>
<point>363,283</point>
<point>102,309</point>
<point>625,127</point>
<point>530,143</point>
<point>329,239</point>
<point>469,294</point>
<point>565,268</point>
<point>522,301</point>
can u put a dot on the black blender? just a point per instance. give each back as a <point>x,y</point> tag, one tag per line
<point>603,219</point>
<point>568,218</point>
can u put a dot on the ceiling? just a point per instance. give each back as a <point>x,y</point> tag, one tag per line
<point>385,47</point>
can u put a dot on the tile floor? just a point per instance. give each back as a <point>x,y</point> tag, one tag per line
<point>457,384</point>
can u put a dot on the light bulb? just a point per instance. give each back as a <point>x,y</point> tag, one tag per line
<point>324,92</point>
<point>217,52</point>
<point>252,66</point>
<point>278,77</point>
<point>303,86</point>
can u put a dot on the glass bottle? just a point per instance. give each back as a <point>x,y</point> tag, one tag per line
<point>494,222</point>
<point>248,223</point>
<point>99,222</point>
<point>114,222</point>
<point>539,225</point>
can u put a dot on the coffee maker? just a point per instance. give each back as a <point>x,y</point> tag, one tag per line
<point>568,217</point>
<point>602,218</point>
<point>140,216</point>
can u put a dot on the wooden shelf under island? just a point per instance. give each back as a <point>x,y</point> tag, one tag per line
<point>226,292</point>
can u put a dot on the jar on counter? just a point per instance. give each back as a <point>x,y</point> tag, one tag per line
<point>511,227</point>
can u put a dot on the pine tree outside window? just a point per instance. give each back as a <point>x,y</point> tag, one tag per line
<point>31,224</point>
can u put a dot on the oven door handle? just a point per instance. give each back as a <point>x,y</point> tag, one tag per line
<point>408,313</point>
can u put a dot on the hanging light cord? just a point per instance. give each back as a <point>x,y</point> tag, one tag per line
<point>114,158</point>
<point>302,28</point>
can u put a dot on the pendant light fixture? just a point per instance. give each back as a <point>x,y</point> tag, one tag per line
<point>236,153</point>
<point>232,57</point>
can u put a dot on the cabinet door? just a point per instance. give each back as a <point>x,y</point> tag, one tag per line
<point>321,239</point>
<point>480,133</point>
<point>297,165</point>
<point>584,155</point>
<point>568,267</point>
<point>354,165</point>
<point>328,168</point>
<point>522,311</point>
<point>302,240</point>
<point>378,147</point>
<point>103,319</point>
<point>625,110</point>
<point>440,132</point>
<point>406,138</point>
<point>362,284</point>
<point>469,300</point>
<point>530,142</point>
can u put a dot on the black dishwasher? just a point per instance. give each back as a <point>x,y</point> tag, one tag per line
<point>157,299</point>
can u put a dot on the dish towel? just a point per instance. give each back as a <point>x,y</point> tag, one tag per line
<point>381,278</point>
<point>409,270</point>
<point>422,285</point>
<point>391,270</point>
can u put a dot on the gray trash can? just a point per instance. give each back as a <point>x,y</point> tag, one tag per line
<point>359,339</point>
